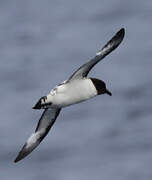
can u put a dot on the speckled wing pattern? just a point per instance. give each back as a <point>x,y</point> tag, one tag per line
<point>44,125</point>
<point>108,48</point>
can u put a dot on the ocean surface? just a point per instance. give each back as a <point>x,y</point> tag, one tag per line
<point>105,138</point>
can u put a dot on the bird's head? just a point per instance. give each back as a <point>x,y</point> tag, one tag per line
<point>100,86</point>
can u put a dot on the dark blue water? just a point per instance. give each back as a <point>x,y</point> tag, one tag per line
<point>41,44</point>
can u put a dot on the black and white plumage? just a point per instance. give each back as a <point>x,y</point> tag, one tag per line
<point>44,125</point>
<point>76,89</point>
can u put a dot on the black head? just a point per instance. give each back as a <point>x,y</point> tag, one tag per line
<point>100,86</point>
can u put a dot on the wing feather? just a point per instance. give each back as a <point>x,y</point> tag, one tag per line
<point>108,48</point>
<point>44,125</point>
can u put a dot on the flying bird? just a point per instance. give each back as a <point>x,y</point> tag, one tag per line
<point>79,87</point>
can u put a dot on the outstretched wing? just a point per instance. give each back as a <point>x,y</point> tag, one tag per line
<point>108,48</point>
<point>45,123</point>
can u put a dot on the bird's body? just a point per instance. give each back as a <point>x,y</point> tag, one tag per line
<point>76,89</point>
<point>70,93</point>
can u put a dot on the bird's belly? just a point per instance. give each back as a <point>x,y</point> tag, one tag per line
<point>63,100</point>
<point>74,93</point>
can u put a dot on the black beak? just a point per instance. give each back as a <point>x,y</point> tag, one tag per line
<point>108,92</point>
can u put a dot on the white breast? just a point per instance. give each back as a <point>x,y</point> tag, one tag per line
<point>72,93</point>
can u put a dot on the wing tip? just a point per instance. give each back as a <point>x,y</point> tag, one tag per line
<point>22,154</point>
<point>29,146</point>
<point>113,43</point>
<point>121,33</point>
<point>119,36</point>
<point>17,159</point>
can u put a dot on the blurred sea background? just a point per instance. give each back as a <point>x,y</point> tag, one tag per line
<point>105,138</point>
